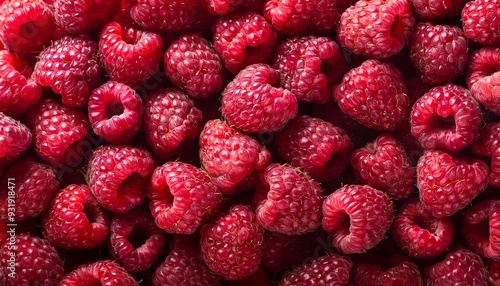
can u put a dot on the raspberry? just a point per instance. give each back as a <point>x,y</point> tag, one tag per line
<point>483,77</point>
<point>384,165</point>
<point>129,55</point>
<point>104,272</point>
<point>438,52</point>
<point>193,65</point>
<point>397,271</point>
<point>448,182</point>
<point>243,39</point>
<point>26,26</point>
<point>331,269</point>
<point>83,16</point>
<point>316,146</point>
<point>459,267</point>
<point>135,241</point>
<point>170,118</point>
<point>481,229</point>
<point>118,176</point>
<point>164,15</point>
<point>446,117</point>
<point>480,21</point>
<point>374,95</point>
<point>301,16</point>
<point>253,102</point>
<point>15,138</point>
<point>435,9</point>
<point>181,196</point>
<point>17,90</point>
<point>418,233</point>
<point>115,112</point>
<point>357,217</point>
<point>287,200</point>
<point>229,156</point>
<point>222,7</point>
<point>488,144</point>
<point>75,220</point>
<point>37,263</point>
<point>494,270</point>
<point>232,243</point>
<point>57,130</point>
<point>378,29</point>
<point>308,66</point>
<point>60,67</point>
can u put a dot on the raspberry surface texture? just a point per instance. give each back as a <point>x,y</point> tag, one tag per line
<point>82,16</point>
<point>15,138</point>
<point>483,77</point>
<point>488,144</point>
<point>104,272</point>
<point>480,23</point>
<point>397,271</point>
<point>164,15</point>
<point>480,228</point>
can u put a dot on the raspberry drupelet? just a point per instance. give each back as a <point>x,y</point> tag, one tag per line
<point>83,16</point>
<point>481,229</point>
<point>15,138</point>
<point>105,272</point>
<point>164,15</point>
<point>483,77</point>
<point>480,22</point>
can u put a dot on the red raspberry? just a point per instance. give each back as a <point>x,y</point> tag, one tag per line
<point>269,111</point>
<point>438,52</point>
<point>448,182</point>
<point>170,118</point>
<point>57,130</point>
<point>115,112</point>
<point>357,217</point>
<point>229,156</point>
<point>397,271</point>
<point>378,28</point>
<point>374,95</point>
<point>17,90</point>
<point>15,138</point>
<point>287,200</point>
<point>302,16</point>
<point>316,146</point>
<point>60,67</point>
<point>446,117</point>
<point>84,16</point>
<point>459,267</point>
<point>331,269</point>
<point>164,15</point>
<point>118,176</point>
<point>418,234</point>
<point>480,21</point>
<point>488,144</point>
<point>181,196</point>
<point>494,270</point>
<point>135,241</point>
<point>483,77</point>
<point>104,272</point>
<point>75,220</point>
<point>129,55</point>
<point>435,9</point>
<point>481,228</point>
<point>193,65</point>
<point>232,244</point>
<point>244,39</point>
<point>222,7</point>
<point>308,66</point>
<point>36,262</point>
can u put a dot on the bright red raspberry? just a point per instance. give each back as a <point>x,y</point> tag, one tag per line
<point>331,269</point>
<point>57,130</point>
<point>302,16</point>
<point>374,94</point>
<point>193,65</point>
<point>287,201</point>
<point>170,118</point>
<point>18,91</point>
<point>115,112</point>
<point>481,228</point>
<point>181,196</point>
<point>15,138</point>
<point>118,176</point>
<point>458,267</point>
<point>398,270</point>
<point>229,156</point>
<point>84,16</point>
<point>480,21</point>
<point>223,7</point>
<point>448,182</point>
<point>60,67</point>
<point>244,39</point>
<point>435,9</point>
<point>308,66</point>
<point>37,262</point>
<point>129,55</point>
<point>269,111</point>
<point>384,165</point>
<point>135,241</point>
<point>165,15</point>
<point>104,272</point>
<point>357,217</point>
<point>316,146</point>
<point>488,144</point>
<point>232,244</point>
<point>446,117</point>
<point>438,52</point>
<point>75,220</point>
<point>418,234</point>
<point>483,77</point>
<point>378,29</point>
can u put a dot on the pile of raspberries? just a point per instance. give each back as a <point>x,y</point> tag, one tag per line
<point>250,142</point>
